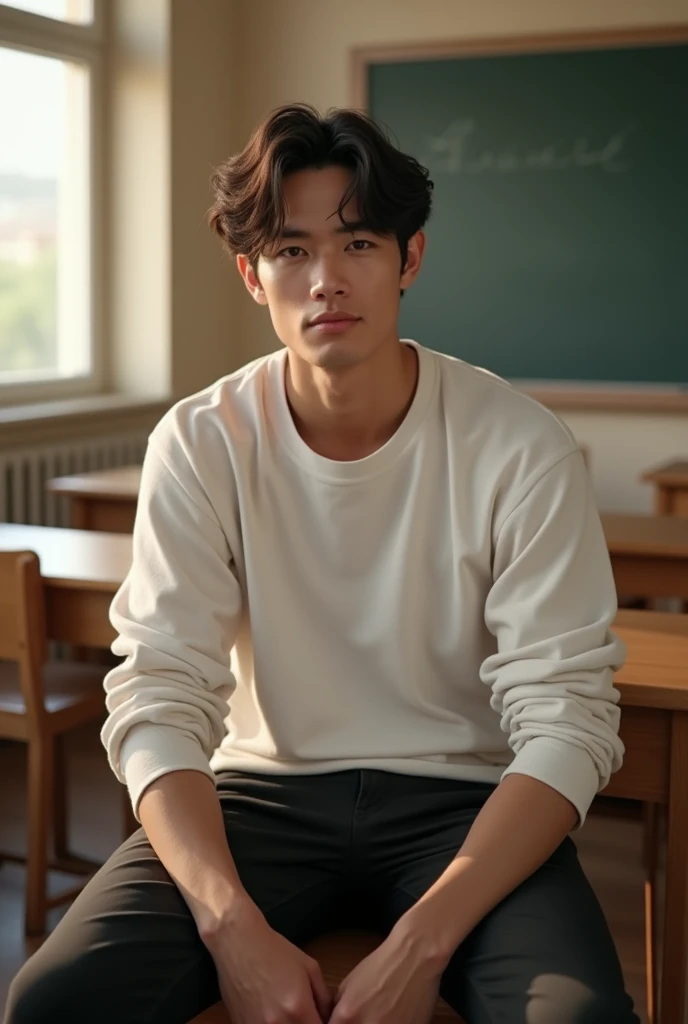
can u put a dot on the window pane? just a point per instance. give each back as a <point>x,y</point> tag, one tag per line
<point>65,10</point>
<point>44,218</point>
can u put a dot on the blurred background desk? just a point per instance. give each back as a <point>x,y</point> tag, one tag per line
<point>649,554</point>
<point>102,499</point>
<point>671,487</point>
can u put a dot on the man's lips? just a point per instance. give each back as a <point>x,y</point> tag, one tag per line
<point>333,317</point>
<point>333,323</point>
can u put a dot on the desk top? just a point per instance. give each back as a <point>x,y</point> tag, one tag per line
<point>674,474</point>
<point>656,669</point>
<point>121,484</point>
<point>662,536</point>
<point>73,559</point>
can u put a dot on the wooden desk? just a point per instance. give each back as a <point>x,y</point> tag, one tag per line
<point>649,554</point>
<point>654,727</point>
<point>671,487</point>
<point>102,500</point>
<point>82,571</point>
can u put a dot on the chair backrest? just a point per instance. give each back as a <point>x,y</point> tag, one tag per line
<point>22,623</point>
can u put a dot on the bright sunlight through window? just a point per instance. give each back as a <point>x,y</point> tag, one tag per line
<point>45,288</point>
<point>79,11</point>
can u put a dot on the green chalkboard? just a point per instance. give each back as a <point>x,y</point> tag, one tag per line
<point>558,245</point>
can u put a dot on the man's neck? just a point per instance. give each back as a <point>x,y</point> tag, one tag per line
<point>350,413</point>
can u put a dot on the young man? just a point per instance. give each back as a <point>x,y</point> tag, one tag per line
<point>367,669</point>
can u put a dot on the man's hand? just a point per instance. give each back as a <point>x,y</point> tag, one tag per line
<point>263,977</point>
<point>398,983</point>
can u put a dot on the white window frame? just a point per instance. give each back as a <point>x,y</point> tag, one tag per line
<point>82,44</point>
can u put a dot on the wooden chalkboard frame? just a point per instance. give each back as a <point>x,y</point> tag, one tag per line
<point>564,394</point>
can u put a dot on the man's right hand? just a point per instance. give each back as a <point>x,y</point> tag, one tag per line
<point>264,978</point>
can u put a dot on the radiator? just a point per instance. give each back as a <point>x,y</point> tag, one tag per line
<point>24,473</point>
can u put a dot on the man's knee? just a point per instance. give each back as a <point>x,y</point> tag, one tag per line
<point>38,996</point>
<point>559,999</point>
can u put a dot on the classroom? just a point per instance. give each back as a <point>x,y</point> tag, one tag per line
<point>545,159</point>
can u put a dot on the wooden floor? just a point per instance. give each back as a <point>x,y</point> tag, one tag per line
<point>610,850</point>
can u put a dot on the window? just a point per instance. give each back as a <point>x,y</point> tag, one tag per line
<point>79,11</point>
<point>50,73</point>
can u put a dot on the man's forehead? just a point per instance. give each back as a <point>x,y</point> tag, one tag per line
<point>320,216</point>
<point>318,194</point>
<point>334,225</point>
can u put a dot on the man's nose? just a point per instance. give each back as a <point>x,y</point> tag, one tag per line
<point>329,280</point>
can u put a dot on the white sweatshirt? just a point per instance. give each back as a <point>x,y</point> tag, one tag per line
<point>440,607</point>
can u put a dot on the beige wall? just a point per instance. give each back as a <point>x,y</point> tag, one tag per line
<point>205,108</point>
<point>172,116</point>
<point>299,50</point>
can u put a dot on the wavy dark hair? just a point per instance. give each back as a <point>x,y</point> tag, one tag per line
<point>392,190</point>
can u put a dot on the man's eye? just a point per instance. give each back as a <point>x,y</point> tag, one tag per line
<point>360,245</point>
<point>291,252</point>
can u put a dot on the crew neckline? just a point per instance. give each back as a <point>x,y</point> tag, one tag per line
<point>358,469</point>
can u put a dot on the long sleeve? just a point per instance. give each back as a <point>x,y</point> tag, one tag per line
<point>177,615</point>
<point>550,607</point>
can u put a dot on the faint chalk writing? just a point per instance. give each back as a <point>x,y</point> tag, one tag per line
<point>457,151</point>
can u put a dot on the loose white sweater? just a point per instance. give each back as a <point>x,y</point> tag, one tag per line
<point>440,607</point>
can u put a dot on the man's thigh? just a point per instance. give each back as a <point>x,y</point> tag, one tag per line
<point>128,948</point>
<point>544,955</point>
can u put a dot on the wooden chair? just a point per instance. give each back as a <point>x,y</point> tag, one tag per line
<point>40,700</point>
<point>337,953</point>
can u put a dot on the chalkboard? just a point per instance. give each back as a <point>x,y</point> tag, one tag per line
<point>558,245</point>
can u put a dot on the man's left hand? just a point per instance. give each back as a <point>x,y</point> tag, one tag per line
<point>398,983</point>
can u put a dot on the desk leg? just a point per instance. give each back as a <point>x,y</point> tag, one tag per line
<point>81,520</point>
<point>79,514</point>
<point>651,840</point>
<point>675,953</point>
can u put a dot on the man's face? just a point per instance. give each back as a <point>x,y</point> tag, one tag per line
<point>320,269</point>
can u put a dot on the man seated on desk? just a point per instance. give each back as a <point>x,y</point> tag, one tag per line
<point>403,555</point>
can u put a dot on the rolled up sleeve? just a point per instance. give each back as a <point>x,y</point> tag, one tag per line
<point>177,615</point>
<point>550,607</point>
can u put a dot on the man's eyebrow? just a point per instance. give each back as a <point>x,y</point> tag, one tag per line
<point>343,229</point>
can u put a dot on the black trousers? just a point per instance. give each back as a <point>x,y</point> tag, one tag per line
<point>314,852</point>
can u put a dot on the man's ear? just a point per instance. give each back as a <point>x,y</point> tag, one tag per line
<point>414,259</point>
<point>251,280</point>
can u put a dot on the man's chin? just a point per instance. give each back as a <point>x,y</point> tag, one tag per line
<point>334,354</point>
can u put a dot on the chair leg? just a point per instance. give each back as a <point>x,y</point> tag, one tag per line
<point>64,859</point>
<point>651,840</point>
<point>40,790</point>
<point>60,801</point>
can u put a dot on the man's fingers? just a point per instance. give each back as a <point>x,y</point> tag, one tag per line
<point>321,993</point>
